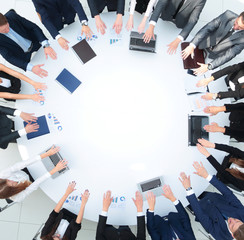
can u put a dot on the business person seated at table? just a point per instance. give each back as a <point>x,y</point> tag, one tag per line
<point>97,6</point>
<point>6,125</point>
<point>55,13</point>
<point>63,224</point>
<point>19,38</point>
<point>170,227</point>
<point>108,232</point>
<point>10,85</point>
<point>234,80</point>
<point>221,214</point>
<point>141,6</point>
<point>223,38</point>
<point>183,13</point>
<point>232,168</point>
<point>16,185</point>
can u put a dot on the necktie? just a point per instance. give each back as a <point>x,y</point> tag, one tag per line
<point>178,9</point>
<point>228,34</point>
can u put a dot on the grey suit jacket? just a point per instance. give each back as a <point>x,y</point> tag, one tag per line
<point>186,18</point>
<point>211,37</point>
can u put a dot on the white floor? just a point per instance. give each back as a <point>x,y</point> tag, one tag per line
<point>21,221</point>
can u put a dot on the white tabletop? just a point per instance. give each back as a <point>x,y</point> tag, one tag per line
<point>126,123</point>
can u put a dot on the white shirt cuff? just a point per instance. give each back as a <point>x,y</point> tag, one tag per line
<point>43,43</point>
<point>193,45</point>
<point>29,67</point>
<point>209,178</point>
<point>103,213</point>
<point>176,202</point>
<point>190,192</point>
<point>57,37</point>
<point>180,37</point>
<point>22,132</point>
<point>152,23</point>
<point>150,211</point>
<point>17,113</point>
<point>139,214</point>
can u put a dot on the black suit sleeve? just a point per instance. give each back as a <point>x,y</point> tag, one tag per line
<point>141,231</point>
<point>121,7</point>
<point>234,133</point>
<point>228,70</point>
<point>5,140</point>
<point>234,107</point>
<point>49,223</point>
<point>72,230</point>
<point>101,227</point>
<point>7,110</point>
<point>237,94</point>
<point>232,150</point>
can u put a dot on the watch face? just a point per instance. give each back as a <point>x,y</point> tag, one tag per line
<point>85,24</point>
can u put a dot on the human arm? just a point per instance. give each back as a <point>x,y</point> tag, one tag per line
<point>36,85</point>
<point>84,197</point>
<point>204,82</point>
<point>69,190</point>
<point>130,22</point>
<point>118,23</point>
<point>36,97</point>
<point>214,127</point>
<point>100,24</point>
<point>231,150</point>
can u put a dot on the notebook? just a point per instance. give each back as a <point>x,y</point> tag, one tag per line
<point>51,161</point>
<point>68,81</point>
<point>83,51</point>
<point>42,130</point>
<point>190,63</point>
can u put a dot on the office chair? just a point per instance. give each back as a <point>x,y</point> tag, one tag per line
<point>9,204</point>
<point>200,229</point>
<point>235,189</point>
<point>38,232</point>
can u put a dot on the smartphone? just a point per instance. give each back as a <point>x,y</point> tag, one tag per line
<point>190,71</point>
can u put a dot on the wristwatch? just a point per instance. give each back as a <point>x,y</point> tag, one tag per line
<point>46,45</point>
<point>188,189</point>
<point>210,67</point>
<point>84,23</point>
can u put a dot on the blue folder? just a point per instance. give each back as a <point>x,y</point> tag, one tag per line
<point>42,130</point>
<point>68,80</point>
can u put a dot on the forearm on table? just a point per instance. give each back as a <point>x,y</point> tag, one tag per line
<point>15,96</point>
<point>80,214</point>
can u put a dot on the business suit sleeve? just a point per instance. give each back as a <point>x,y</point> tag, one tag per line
<point>203,218</point>
<point>234,107</point>
<point>227,56</point>
<point>7,110</point>
<point>141,231</point>
<point>151,227</point>
<point>234,133</point>
<point>49,223</point>
<point>158,10</point>
<point>237,94</point>
<point>101,227</point>
<point>47,22</point>
<point>78,8</point>
<point>93,7</point>
<point>193,19</point>
<point>13,59</point>
<point>120,7</point>
<point>230,198</point>
<point>228,70</point>
<point>232,150</point>
<point>72,230</point>
<point>184,218</point>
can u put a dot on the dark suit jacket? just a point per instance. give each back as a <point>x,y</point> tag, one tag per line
<point>6,135</point>
<point>186,18</point>
<point>10,50</point>
<point>108,232</point>
<point>160,229</point>
<point>54,220</point>
<point>53,11</point>
<point>210,209</point>
<point>97,6</point>
<point>222,174</point>
<point>15,83</point>
<point>212,37</point>
<point>233,73</point>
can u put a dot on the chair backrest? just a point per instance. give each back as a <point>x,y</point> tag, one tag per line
<point>9,204</point>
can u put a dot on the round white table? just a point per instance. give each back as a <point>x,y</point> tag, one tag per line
<point>126,123</point>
